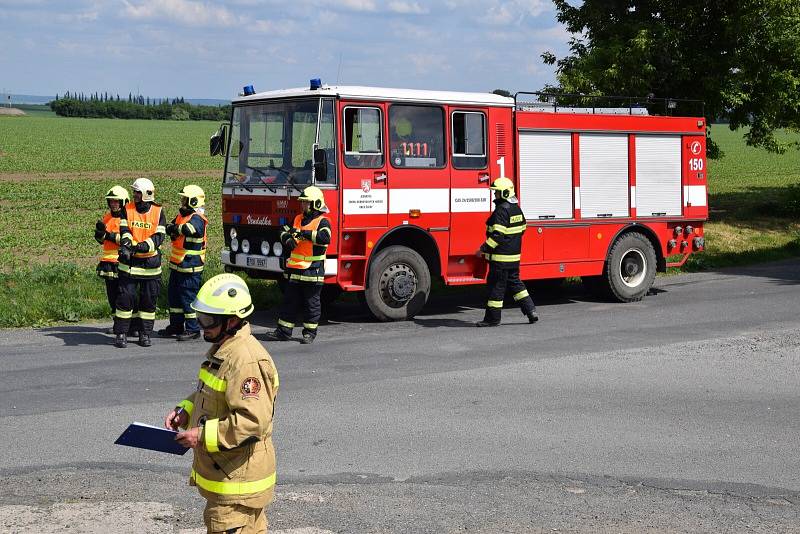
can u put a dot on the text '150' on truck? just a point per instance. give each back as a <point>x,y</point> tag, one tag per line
<point>613,189</point>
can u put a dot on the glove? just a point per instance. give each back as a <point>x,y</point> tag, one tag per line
<point>290,245</point>
<point>305,234</point>
<point>100,226</point>
<point>172,230</point>
<point>99,235</point>
<point>297,235</point>
<point>142,247</point>
<point>125,253</point>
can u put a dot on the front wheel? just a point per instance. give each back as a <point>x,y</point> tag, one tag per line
<point>398,284</point>
<point>631,268</point>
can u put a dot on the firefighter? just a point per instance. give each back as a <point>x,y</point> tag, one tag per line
<point>502,249</point>
<point>142,225</point>
<point>107,234</point>
<point>187,259</point>
<point>306,242</point>
<point>228,419</point>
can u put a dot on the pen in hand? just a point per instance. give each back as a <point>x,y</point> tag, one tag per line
<point>177,418</point>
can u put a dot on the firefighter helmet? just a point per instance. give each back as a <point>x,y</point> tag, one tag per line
<point>196,196</point>
<point>313,195</point>
<point>145,187</point>
<point>118,193</point>
<point>402,127</point>
<point>505,186</point>
<point>224,294</point>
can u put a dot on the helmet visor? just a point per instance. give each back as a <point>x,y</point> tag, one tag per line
<point>208,321</point>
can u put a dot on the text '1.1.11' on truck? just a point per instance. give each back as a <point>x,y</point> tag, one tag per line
<point>612,188</point>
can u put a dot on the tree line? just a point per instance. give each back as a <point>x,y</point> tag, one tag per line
<point>103,105</point>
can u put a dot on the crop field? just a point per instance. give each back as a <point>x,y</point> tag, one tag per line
<point>54,172</point>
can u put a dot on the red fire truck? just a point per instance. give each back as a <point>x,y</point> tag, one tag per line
<point>611,193</point>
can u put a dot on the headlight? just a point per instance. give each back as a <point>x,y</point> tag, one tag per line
<point>233,233</point>
<point>245,246</point>
<point>234,244</point>
<point>277,248</point>
<point>265,248</point>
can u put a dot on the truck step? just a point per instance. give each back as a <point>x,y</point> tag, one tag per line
<point>463,280</point>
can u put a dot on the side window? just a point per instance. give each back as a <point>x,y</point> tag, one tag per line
<point>416,136</point>
<point>327,140</point>
<point>363,145</point>
<point>469,140</point>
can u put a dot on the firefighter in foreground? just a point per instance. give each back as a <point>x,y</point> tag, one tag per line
<point>187,259</point>
<point>306,241</point>
<point>107,234</point>
<point>142,225</point>
<point>229,417</point>
<point>502,249</point>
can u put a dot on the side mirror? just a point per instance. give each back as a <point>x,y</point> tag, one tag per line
<point>320,164</point>
<point>219,141</point>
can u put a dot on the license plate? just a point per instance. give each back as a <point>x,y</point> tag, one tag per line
<point>256,262</point>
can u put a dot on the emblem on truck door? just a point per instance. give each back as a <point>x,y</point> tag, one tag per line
<point>366,185</point>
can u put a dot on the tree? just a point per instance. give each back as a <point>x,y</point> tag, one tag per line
<point>501,92</point>
<point>741,58</point>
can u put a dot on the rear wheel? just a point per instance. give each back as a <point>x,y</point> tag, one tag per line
<point>630,268</point>
<point>398,285</point>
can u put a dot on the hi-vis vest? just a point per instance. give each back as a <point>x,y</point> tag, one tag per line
<point>111,249</point>
<point>142,226</point>
<point>234,404</point>
<point>303,254</point>
<point>184,246</point>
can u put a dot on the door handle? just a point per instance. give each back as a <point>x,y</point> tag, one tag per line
<point>380,177</point>
<point>483,178</point>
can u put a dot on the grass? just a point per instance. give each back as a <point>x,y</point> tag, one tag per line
<point>754,200</point>
<point>39,144</point>
<point>54,172</point>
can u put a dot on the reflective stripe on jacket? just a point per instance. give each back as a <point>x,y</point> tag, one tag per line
<point>504,230</point>
<point>307,251</point>
<point>234,404</point>
<point>149,228</point>
<point>188,253</point>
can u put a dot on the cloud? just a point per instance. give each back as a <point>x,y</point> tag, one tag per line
<point>181,11</point>
<point>358,5</point>
<point>407,8</point>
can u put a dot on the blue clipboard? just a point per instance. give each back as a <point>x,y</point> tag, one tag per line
<point>151,437</point>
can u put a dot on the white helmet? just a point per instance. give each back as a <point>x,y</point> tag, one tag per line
<point>145,187</point>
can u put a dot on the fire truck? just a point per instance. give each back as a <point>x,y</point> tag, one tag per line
<point>612,191</point>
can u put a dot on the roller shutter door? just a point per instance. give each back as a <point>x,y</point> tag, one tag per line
<point>658,175</point>
<point>545,175</point>
<point>604,175</point>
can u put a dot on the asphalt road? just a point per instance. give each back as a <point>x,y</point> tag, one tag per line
<point>678,413</point>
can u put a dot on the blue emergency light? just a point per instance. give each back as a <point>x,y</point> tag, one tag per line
<point>248,90</point>
<point>237,219</point>
<point>316,83</point>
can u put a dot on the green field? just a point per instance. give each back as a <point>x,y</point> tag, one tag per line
<point>54,172</point>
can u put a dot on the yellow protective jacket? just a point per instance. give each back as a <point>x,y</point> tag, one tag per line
<point>234,404</point>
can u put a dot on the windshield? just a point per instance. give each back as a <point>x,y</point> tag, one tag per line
<point>273,144</point>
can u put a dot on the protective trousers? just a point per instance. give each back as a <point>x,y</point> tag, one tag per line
<point>112,290</point>
<point>136,294</point>
<point>181,292</point>
<point>500,282</point>
<point>305,295</point>
<point>234,518</point>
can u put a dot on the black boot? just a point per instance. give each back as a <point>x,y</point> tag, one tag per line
<point>121,342</point>
<point>533,317</point>
<point>308,338</point>
<point>486,323</point>
<point>170,331</point>
<point>144,339</point>
<point>278,335</point>
<point>188,336</point>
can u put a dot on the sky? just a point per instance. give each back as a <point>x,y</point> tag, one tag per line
<point>201,49</point>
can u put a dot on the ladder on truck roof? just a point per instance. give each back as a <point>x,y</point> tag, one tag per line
<point>548,102</point>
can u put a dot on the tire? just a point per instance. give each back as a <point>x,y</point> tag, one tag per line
<point>630,268</point>
<point>398,284</point>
